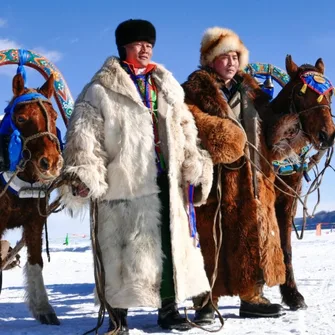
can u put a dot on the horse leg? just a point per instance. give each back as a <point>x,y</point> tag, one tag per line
<point>36,295</point>
<point>289,291</point>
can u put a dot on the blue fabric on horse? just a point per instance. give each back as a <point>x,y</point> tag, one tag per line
<point>23,58</point>
<point>8,127</point>
<point>317,82</point>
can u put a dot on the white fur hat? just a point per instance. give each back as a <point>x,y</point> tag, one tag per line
<point>217,41</point>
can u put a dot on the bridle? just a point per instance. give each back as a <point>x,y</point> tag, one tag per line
<point>24,99</point>
<point>53,137</point>
<point>303,87</point>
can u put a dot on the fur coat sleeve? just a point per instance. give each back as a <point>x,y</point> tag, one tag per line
<point>197,166</point>
<point>84,153</point>
<point>222,137</point>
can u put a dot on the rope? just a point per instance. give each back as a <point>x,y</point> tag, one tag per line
<point>19,168</point>
<point>217,245</point>
<point>314,186</point>
<point>47,240</point>
<point>315,160</point>
<point>266,161</point>
<point>99,275</point>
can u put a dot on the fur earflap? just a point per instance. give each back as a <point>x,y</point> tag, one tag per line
<point>217,41</point>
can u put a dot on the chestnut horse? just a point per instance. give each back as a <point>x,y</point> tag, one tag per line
<point>31,114</point>
<point>302,111</point>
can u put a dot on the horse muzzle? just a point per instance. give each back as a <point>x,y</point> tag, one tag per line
<point>326,139</point>
<point>48,169</point>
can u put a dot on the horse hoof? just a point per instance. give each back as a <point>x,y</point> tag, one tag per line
<point>301,305</point>
<point>49,319</point>
<point>292,298</point>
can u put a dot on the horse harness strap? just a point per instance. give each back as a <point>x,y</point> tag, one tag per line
<point>43,133</point>
<point>8,178</point>
<point>18,143</point>
<point>309,79</point>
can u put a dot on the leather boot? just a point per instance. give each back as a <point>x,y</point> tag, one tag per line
<point>260,310</point>
<point>255,305</point>
<point>121,316</point>
<point>205,315</point>
<point>169,317</point>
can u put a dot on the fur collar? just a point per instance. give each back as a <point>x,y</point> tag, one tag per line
<point>113,77</point>
<point>203,88</point>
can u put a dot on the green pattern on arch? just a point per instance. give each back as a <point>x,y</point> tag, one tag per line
<point>264,69</point>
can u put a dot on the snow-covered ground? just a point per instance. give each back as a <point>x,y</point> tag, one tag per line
<point>69,281</point>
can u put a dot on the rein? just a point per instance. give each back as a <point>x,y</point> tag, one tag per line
<point>217,245</point>
<point>315,159</point>
<point>99,274</point>
<point>315,186</point>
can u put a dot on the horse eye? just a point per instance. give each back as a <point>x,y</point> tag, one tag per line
<point>21,119</point>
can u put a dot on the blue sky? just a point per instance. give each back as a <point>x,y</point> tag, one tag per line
<point>78,37</point>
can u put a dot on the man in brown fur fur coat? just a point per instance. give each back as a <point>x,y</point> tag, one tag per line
<point>216,95</point>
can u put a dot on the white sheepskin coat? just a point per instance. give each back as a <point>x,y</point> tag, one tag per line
<point>110,147</point>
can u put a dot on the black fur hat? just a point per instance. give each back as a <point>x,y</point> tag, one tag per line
<point>135,30</point>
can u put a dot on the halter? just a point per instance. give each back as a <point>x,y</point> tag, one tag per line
<point>321,85</point>
<point>18,143</point>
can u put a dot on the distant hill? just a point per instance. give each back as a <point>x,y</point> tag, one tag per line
<point>326,218</point>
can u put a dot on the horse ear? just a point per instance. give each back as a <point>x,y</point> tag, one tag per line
<point>291,67</point>
<point>18,85</point>
<point>48,87</point>
<point>320,65</point>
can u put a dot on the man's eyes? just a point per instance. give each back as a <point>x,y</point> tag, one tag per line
<point>148,46</point>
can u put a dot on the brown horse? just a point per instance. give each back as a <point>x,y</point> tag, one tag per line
<point>304,117</point>
<point>41,163</point>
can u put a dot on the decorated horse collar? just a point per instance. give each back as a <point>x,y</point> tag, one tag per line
<point>316,82</point>
<point>287,167</point>
<point>21,188</point>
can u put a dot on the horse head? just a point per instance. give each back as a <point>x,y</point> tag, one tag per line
<point>34,117</point>
<point>302,111</point>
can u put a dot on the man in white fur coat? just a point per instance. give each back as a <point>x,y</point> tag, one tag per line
<point>132,143</point>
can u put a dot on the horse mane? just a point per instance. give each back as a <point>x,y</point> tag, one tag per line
<point>308,67</point>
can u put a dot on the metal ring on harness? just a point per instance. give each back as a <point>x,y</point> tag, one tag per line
<point>24,151</point>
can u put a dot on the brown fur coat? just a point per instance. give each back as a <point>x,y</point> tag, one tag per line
<point>250,252</point>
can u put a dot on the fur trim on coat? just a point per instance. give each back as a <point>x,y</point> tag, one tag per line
<point>251,250</point>
<point>110,147</point>
<point>217,41</point>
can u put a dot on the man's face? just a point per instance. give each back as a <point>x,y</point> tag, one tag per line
<point>139,53</point>
<point>226,65</point>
